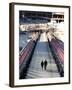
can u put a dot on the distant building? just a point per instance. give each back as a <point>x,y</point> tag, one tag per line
<point>29,20</point>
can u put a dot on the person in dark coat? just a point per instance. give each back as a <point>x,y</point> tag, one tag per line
<point>42,64</point>
<point>45,64</point>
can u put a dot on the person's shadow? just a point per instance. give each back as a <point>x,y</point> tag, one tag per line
<point>53,71</point>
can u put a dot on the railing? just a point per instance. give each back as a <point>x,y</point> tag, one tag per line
<point>25,57</point>
<point>25,52</point>
<point>58,54</point>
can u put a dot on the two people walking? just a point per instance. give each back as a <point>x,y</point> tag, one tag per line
<point>44,64</point>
